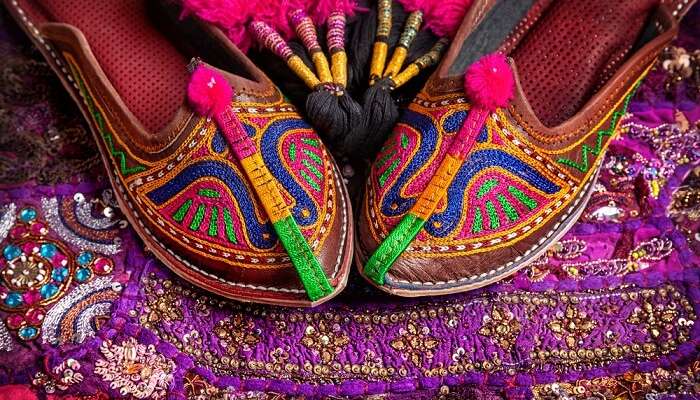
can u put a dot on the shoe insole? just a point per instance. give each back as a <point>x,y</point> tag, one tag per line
<point>144,66</point>
<point>574,49</point>
<point>570,52</point>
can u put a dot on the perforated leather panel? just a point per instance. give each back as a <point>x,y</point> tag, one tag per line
<point>144,67</point>
<point>573,49</point>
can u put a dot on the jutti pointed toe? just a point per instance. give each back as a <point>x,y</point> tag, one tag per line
<point>463,195</point>
<point>218,174</point>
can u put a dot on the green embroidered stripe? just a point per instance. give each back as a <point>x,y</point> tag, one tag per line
<point>386,157</point>
<point>293,151</point>
<point>404,141</point>
<point>211,193</point>
<point>385,175</point>
<point>179,215</point>
<point>494,222</point>
<point>310,181</point>
<point>214,222</point>
<point>522,197</point>
<point>101,127</point>
<point>312,168</point>
<point>198,218</point>
<point>392,247</point>
<point>313,156</point>
<point>228,227</point>
<point>486,187</point>
<point>585,149</point>
<point>478,224</point>
<point>310,272</point>
<point>310,142</point>
<point>510,211</point>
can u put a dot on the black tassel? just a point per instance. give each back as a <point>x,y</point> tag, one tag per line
<point>380,101</point>
<point>335,116</point>
<point>381,113</point>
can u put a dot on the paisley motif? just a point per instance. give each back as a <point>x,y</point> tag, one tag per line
<point>500,192</point>
<point>208,204</point>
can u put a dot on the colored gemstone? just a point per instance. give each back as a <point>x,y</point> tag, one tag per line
<point>27,214</point>
<point>38,228</point>
<point>59,260</point>
<point>48,291</point>
<point>31,297</point>
<point>59,274</point>
<point>18,232</point>
<point>14,321</point>
<point>83,274</point>
<point>102,266</point>
<point>48,250</point>
<point>28,332</point>
<point>11,252</point>
<point>34,316</point>
<point>28,248</point>
<point>84,258</point>
<point>13,299</point>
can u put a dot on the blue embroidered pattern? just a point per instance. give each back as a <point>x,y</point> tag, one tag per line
<point>262,235</point>
<point>268,146</point>
<point>428,142</point>
<point>443,223</point>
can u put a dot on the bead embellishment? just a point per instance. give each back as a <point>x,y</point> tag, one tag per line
<point>135,369</point>
<point>42,277</point>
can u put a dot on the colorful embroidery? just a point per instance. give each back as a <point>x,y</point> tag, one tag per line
<point>583,166</point>
<point>47,288</point>
<point>201,200</point>
<point>500,193</point>
<point>100,122</point>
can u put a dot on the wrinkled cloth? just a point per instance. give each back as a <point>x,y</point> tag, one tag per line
<point>611,309</point>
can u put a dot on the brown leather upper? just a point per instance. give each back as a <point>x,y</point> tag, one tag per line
<point>564,140</point>
<point>64,44</point>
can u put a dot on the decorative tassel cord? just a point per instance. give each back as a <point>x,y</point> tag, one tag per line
<point>211,95</point>
<point>379,107</point>
<point>489,85</point>
<point>331,110</point>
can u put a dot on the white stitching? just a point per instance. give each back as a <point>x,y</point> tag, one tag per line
<point>528,252</point>
<point>343,235</point>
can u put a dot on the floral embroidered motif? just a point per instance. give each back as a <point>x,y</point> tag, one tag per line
<point>502,327</point>
<point>46,287</point>
<point>237,333</point>
<point>404,341</point>
<point>326,339</point>
<point>415,343</point>
<point>658,318</point>
<point>135,369</point>
<point>572,324</point>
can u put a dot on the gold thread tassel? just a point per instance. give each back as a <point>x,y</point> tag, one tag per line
<point>410,30</point>
<point>427,60</point>
<point>335,37</point>
<point>274,42</point>
<point>380,49</point>
<point>306,31</point>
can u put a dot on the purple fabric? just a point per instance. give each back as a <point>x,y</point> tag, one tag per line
<point>610,309</point>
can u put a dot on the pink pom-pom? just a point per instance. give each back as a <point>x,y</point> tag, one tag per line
<point>489,82</point>
<point>446,16</point>
<point>209,92</point>
<point>442,17</point>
